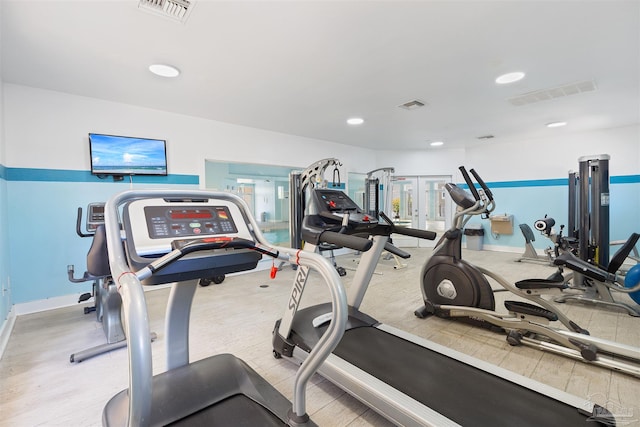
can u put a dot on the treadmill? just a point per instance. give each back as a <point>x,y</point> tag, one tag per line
<point>179,237</point>
<point>409,380</point>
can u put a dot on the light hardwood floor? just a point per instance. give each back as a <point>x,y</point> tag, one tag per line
<point>39,387</point>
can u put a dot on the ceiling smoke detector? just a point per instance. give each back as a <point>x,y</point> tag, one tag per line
<point>412,105</point>
<point>177,10</point>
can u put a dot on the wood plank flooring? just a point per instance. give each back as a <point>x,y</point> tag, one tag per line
<point>39,387</point>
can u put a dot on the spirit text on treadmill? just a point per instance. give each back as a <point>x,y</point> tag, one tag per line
<point>301,278</point>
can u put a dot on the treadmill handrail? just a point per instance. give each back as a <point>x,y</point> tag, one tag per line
<point>135,310</point>
<point>408,231</point>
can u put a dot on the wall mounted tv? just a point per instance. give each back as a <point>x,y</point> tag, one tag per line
<point>126,155</point>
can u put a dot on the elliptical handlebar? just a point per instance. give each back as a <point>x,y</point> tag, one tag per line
<point>469,182</point>
<point>486,189</point>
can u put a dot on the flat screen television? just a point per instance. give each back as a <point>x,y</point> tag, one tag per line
<point>126,155</point>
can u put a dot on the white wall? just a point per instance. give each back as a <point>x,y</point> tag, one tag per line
<point>554,156</point>
<point>426,162</point>
<point>521,165</point>
<point>512,160</point>
<point>5,293</point>
<point>47,129</point>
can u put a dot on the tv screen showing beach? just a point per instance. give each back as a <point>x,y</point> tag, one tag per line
<point>124,155</point>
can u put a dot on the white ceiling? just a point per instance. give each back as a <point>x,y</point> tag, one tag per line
<point>304,67</point>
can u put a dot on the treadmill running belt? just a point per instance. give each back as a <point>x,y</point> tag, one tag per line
<point>462,393</point>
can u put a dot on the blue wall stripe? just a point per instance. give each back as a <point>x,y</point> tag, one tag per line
<point>622,179</point>
<point>625,179</point>
<point>530,183</point>
<point>58,175</point>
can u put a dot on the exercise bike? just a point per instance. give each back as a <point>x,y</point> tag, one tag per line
<point>561,243</point>
<point>107,300</point>
<point>454,288</point>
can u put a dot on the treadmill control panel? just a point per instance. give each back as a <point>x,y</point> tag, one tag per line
<point>188,221</point>
<point>152,224</point>
<point>337,201</point>
<point>333,204</point>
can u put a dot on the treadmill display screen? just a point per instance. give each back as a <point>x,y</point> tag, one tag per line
<point>190,214</point>
<point>336,201</point>
<point>187,221</point>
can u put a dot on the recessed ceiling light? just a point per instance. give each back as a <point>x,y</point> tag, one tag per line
<point>556,124</point>
<point>164,70</point>
<point>510,77</point>
<point>436,143</point>
<point>355,121</point>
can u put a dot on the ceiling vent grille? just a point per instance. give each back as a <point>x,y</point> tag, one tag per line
<point>556,92</point>
<point>177,10</point>
<point>412,105</point>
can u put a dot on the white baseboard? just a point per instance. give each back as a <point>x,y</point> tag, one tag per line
<point>46,304</point>
<point>497,248</point>
<point>72,299</point>
<point>5,331</point>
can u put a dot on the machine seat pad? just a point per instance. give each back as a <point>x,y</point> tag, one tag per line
<point>574,263</point>
<point>530,309</point>
<point>98,256</point>
<point>540,284</point>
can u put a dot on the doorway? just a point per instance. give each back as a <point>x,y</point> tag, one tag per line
<point>420,202</point>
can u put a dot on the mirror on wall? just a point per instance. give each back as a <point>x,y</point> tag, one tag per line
<point>265,188</point>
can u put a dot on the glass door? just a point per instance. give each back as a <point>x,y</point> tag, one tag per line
<point>420,202</point>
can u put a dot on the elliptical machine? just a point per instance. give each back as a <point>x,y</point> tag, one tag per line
<point>454,288</point>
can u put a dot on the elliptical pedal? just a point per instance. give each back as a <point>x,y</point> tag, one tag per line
<point>521,307</point>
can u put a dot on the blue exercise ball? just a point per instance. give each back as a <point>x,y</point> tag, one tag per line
<point>632,279</point>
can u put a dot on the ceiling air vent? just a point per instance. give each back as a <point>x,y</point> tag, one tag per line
<point>412,105</point>
<point>486,137</point>
<point>177,10</point>
<point>556,92</point>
